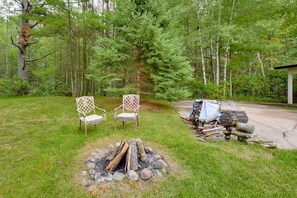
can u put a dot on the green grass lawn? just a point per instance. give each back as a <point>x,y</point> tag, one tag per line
<point>41,145</point>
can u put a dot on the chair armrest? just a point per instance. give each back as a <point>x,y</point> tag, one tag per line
<point>104,111</point>
<point>115,110</point>
<point>118,108</point>
<point>80,112</point>
<point>100,109</point>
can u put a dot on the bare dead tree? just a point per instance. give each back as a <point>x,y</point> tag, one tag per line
<point>27,9</point>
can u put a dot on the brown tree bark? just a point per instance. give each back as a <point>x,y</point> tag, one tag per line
<point>23,40</point>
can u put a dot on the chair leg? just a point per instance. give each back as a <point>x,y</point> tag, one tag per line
<point>115,124</point>
<point>134,125</point>
<point>79,124</point>
<point>123,123</point>
<point>86,130</point>
<point>137,120</point>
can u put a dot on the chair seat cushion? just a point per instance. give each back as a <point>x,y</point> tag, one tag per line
<point>92,119</point>
<point>126,116</point>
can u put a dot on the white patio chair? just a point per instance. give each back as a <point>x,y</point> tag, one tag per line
<point>86,112</point>
<point>130,108</point>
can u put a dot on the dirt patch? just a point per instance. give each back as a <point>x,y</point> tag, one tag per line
<point>154,106</point>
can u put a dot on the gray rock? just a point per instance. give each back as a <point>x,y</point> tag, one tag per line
<point>97,176</point>
<point>145,174</point>
<point>157,173</point>
<point>148,149</point>
<point>168,170</point>
<point>132,175</point>
<point>92,177</point>
<point>100,180</point>
<point>99,159</point>
<point>91,165</point>
<point>156,156</point>
<point>158,165</point>
<point>162,162</point>
<point>118,176</point>
<point>87,183</point>
<point>92,172</point>
<point>108,177</point>
<point>90,160</point>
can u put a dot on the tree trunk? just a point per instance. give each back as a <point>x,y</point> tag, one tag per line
<point>22,67</point>
<point>231,88</point>
<point>203,65</point>
<point>261,65</point>
<point>211,60</point>
<point>23,41</point>
<point>85,38</point>
<point>225,68</point>
<point>227,48</point>
<point>138,73</point>
<point>7,51</point>
<point>218,62</point>
<point>200,41</point>
<point>218,47</point>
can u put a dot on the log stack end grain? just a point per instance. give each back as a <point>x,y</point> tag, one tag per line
<point>231,113</point>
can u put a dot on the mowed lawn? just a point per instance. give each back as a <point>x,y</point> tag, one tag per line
<point>41,145</point>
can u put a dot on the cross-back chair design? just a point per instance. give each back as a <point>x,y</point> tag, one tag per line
<point>130,108</point>
<point>87,112</point>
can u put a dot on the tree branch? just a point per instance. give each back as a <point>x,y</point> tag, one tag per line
<point>16,45</point>
<point>36,59</point>
<point>42,5</point>
<point>31,43</point>
<point>32,26</point>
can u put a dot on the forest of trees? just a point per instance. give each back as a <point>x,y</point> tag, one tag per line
<point>169,49</point>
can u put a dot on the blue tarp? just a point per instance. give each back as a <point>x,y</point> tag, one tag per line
<point>207,110</point>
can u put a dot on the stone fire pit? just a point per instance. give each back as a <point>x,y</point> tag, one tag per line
<point>128,160</point>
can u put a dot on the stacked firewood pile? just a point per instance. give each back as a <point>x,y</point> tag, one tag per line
<point>231,113</point>
<point>211,129</point>
<point>233,121</point>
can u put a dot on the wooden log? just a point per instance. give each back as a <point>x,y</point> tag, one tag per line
<point>213,133</point>
<point>128,159</point>
<point>116,150</point>
<point>185,118</point>
<point>134,155</point>
<point>220,128</point>
<point>114,163</point>
<point>241,134</point>
<point>245,127</point>
<point>141,151</point>
<point>260,141</point>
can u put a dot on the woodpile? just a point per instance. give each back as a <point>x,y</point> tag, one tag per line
<point>231,114</point>
<point>233,122</point>
<point>132,149</point>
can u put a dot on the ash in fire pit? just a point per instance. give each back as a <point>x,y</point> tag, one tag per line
<point>129,159</point>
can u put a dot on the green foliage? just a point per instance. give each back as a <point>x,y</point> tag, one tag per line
<point>140,41</point>
<point>211,90</point>
<point>14,87</point>
<point>101,51</point>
